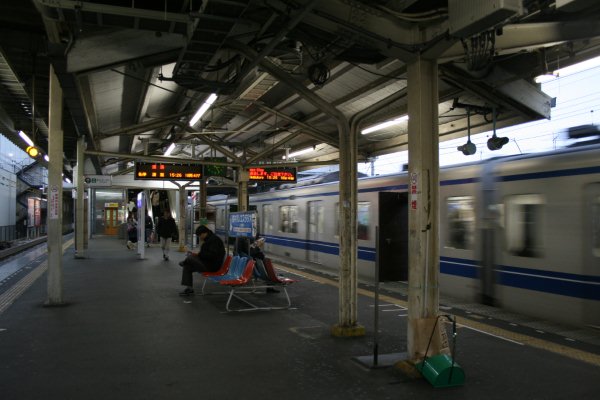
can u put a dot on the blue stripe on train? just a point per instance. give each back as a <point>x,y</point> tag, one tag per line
<point>551,174</point>
<point>364,253</point>
<point>459,267</point>
<point>562,283</point>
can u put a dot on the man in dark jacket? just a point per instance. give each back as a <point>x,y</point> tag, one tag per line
<point>209,259</point>
<point>165,229</point>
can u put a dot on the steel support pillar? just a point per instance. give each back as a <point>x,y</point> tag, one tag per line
<point>202,198</point>
<point>55,189</point>
<point>348,280</point>
<point>79,203</point>
<point>182,206</point>
<point>423,242</point>
<point>242,190</point>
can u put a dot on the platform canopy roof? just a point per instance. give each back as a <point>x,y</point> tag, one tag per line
<point>134,73</point>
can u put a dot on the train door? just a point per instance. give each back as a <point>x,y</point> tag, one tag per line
<point>267,223</point>
<point>591,252</point>
<point>111,221</point>
<point>393,236</point>
<point>315,229</point>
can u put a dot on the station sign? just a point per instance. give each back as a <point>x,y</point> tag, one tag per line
<point>97,180</point>
<point>272,174</point>
<point>167,171</point>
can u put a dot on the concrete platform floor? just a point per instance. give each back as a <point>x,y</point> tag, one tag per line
<point>126,334</point>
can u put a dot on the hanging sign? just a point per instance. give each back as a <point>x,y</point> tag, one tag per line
<point>98,180</point>
<point>167,171</point>
<point>272,174</point>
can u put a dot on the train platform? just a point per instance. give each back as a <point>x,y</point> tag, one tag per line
<point>125,333</point>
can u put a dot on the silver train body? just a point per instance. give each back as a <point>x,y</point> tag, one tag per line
<point>522,233</point>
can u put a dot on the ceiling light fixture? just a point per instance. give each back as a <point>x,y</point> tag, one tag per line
<point>26,138</point>
<point>203,108</point>
<point>569,70</point>
<point>170,149</point>
<point>384,125</point>
<point>300,152</point>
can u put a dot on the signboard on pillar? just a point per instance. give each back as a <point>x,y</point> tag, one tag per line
<point>53,202</point>
<point>414,190</point>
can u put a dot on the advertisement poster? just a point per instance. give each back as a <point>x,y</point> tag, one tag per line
<point>243,224</point>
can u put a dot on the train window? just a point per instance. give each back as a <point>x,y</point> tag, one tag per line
<point>460,222</point>
<point>524,225</point>
<point>316,218</point>
<point>267,226</point>
<point>288,218</point>
<point>363,220</point>
<point>221,218</point>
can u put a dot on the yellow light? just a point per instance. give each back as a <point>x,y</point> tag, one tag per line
<point>33,151</point>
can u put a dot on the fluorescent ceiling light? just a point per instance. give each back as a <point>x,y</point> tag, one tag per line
<point>582,66</point>
<point>384,125</point>
<point>170,149</point>
<point>571,69</point>
<point>300,152</point>
<point>26,138</point>
<point>545,78</point>
<point>203,108</point>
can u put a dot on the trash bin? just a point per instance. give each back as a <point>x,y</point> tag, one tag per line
<point>442,371</point>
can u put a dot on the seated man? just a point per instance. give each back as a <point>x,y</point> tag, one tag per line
<point>209,259</point>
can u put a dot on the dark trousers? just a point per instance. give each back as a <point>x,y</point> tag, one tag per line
<point>191,264</point>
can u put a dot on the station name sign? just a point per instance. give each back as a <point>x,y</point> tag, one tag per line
<point>272,174</point>
<point>167,171</point>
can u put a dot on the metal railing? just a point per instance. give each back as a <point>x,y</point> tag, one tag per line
<point>10,232</point>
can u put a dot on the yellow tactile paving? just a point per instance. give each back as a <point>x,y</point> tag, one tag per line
<point>566,351</point>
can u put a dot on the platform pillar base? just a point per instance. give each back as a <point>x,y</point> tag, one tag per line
<point>408,368</point>
<point>347,331</point>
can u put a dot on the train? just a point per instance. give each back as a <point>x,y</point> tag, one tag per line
<point>518,232</point>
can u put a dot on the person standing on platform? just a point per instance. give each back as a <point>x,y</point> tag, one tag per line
<point>165,229</point>
<point>209,259</point>
<point>148,229</point>
<point>131,232</point>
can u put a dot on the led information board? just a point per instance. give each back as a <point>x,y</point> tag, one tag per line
<point>272,174</point>
<point>167,172</point>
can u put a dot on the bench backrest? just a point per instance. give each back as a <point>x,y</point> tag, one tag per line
<point>237,266</point>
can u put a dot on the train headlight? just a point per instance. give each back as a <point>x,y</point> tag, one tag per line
<point>468,149</point>
<point>496,143</point>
